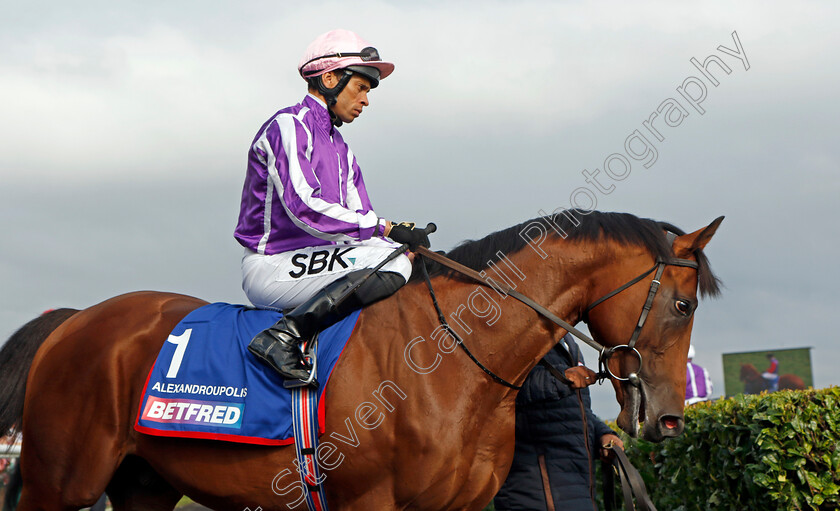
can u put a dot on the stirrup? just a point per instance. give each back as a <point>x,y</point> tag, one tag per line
<point>311,357</point>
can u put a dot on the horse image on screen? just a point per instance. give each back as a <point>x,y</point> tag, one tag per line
<point>753,372</point>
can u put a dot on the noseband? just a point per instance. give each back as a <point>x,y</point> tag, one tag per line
<point>605,353</point>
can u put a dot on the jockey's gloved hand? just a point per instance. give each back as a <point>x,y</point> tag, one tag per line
<point>406,232</point>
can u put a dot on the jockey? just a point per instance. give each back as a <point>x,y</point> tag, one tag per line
<point>772,372</point>
<point>698,384</point>
<point>306,222</point>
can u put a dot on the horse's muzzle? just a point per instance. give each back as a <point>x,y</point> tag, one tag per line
<point>670,426</point>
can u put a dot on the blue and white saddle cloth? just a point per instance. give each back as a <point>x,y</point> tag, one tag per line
<point>205,383</point>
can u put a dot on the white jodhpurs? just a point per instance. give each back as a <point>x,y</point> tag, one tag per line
<point>282,281</point>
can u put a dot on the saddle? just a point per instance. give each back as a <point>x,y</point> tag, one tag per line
<point>205,384</point>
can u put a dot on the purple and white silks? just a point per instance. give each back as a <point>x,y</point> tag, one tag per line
<point>303,187</point>
<point>698,384</point>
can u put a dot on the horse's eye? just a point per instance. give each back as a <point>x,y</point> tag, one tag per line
<point>683,307</point>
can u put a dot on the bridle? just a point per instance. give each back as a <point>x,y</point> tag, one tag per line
<point>605,353</point>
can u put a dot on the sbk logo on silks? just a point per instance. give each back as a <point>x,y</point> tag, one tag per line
<point>320,261</point>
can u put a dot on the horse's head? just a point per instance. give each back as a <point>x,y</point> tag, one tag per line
<point>655,392</point>
<point>749,372</point>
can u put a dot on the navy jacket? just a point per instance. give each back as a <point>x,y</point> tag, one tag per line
<point>549,423</point>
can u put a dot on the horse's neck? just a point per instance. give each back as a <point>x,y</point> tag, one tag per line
<point>507,336</point>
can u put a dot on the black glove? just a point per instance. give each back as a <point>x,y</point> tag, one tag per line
<point>405,232</point>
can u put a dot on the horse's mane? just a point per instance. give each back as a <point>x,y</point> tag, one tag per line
<point>594,226</point>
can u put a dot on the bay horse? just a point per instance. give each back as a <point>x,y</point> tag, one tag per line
<point>411,423</point>
<point>754,383</point>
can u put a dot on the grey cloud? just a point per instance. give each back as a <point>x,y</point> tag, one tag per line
<point>121,160</point>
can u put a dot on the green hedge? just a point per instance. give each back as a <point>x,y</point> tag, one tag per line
<point>764,452</point>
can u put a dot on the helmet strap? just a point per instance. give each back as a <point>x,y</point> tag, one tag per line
<point>331,94</point>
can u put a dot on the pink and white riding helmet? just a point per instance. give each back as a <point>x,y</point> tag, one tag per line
<point>340,49</point>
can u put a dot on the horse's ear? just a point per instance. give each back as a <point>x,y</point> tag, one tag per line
<point>686,244</point>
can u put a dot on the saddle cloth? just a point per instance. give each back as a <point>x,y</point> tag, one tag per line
<point>205,384</point>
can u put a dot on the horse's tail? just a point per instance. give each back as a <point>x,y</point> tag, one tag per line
<point>16,357</point>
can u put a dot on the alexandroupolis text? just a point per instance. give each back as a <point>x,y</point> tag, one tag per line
<point>199,390</point>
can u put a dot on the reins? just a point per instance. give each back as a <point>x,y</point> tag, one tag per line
<point>442,318</point>
<point>507,290</point>
<point>632,484</point>
<point>604,352</point>
<point>659,266</point>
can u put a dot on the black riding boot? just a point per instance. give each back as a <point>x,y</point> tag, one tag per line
<point>278,346</point>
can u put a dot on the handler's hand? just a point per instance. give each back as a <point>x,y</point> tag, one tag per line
<point>609,440</point>
<point>580,376</point>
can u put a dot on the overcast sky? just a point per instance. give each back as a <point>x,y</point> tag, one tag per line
<point>124,129</point>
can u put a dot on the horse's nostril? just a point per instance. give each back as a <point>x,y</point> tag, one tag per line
<point>670,424</point>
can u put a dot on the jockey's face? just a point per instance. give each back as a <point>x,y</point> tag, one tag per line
<point>352,99</point>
